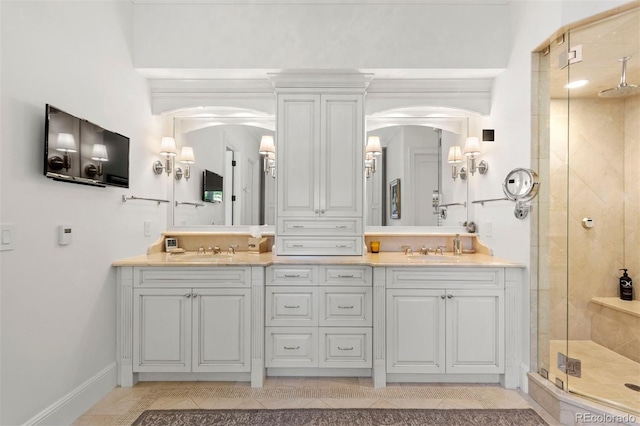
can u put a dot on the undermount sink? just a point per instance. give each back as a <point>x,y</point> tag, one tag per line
<point>199,257</point>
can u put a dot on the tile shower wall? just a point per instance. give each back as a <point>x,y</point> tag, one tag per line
<point>603,136</point>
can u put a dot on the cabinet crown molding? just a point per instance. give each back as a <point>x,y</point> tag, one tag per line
<point>320,80</point>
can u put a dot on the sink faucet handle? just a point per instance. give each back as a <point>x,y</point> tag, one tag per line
<point>440,249</point>
<point>201,250</point>
<point>407,250</point>
<point>232,248</point>
<point>216,249</point>
<point>424,250</point>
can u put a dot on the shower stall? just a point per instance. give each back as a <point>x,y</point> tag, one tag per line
<point>587,150</point>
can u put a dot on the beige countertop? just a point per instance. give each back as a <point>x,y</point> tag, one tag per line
<point>266,259</point>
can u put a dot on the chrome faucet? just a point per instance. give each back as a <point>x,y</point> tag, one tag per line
<point>407,250</point>
<point>424,250</point>
<point>457,245</point>
<point>216,250</point>
<point>232,248</point>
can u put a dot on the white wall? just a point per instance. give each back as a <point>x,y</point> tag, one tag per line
<point>58,302</point>
<point>338,36</point>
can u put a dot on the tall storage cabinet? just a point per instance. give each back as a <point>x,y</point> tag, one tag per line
<point>320,177</point>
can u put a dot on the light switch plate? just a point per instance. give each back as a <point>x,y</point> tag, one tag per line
<point>7,237</point>
<point>147,228</point>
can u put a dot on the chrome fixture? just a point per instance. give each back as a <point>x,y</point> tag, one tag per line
<point>168,149</point>
<point>187,157</point>
<point>372,151</point>
<point>471,149</point>
<point>133,197</point>
<point>455,157</point>
<point>99,154</point>
<point>66,144</point>
<point>622,89</point>
<point>457,245</point>
<point>268,149</point>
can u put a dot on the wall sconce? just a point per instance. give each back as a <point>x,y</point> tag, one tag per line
<point>455,157</point>
<point>268,149</point>
<point>372,151</point>
<point>168,149</point>
<point>471,149</point>
<point>187,157</point>
<point>66,144</point>
<point>99,154</point>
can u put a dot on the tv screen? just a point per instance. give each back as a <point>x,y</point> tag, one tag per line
<point>78,151</point>
<point>211,187</point>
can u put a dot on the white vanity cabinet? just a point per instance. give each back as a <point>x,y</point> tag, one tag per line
<point>320,178</point>
<point>318,319</point>
<point>445,322</point>
<point>189,320</point>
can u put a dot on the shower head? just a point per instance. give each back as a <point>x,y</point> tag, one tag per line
<point>623,89</point>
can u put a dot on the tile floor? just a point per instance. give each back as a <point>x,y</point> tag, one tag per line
<point>123,405</point>
<point>603,375</point>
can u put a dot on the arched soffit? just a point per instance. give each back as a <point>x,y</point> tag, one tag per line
<point>191,119</point>
<point>450,119</point>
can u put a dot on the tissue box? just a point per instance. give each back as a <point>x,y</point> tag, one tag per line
<point>258,245</point>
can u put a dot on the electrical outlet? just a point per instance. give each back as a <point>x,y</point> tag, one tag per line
<point>147,228</point>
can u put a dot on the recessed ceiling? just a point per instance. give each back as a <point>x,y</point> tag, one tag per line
<point>603,44</point>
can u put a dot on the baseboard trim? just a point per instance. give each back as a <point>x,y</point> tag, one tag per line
<point>524,378</point>
<point>71,406</point>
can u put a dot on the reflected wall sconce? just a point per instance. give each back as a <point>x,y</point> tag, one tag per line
<point>268,149</point>
<point>168,149</point>
<point>187,157</point>
<point>99,154</point>
<point>455,157</point>
<point>372,151</point>
<point>66,144</point>
<point>471,149</point>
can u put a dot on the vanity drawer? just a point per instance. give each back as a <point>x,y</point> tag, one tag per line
<point>292,275</point>
<point>288,226</point>
<point>345,347</point>
<point>291,306</point>
<point>345,306</point>
<point>192,277</point>
<point>291,347</point>
<point>435,277</point>
<point>347,275</point>
<point>319,246</point>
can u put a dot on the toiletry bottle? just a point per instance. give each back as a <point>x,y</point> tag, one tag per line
<point>626,286</point>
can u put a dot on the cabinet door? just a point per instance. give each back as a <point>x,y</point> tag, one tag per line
<point>342,154</point>
<point>221,330</point>
<point>415,331</point>
<point>161,330</point>
<point>475,331</point>
<point>297,155</point>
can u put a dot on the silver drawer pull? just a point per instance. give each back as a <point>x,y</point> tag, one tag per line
<point>297,245</point>
<point>345,349</point>
<point>291,348</point>
<point>291,307</point>
<point>345,276</point>
<point>298,226</point>
<point>341,226</point>
<point>345,307</point>
<point>292,275</point>
<point>341,246</point>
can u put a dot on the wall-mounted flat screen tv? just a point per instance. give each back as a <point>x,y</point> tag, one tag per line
<point>78,151</point>
<point>211,187</point>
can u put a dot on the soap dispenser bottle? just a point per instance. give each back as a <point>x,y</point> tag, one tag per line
<point>626,286</point>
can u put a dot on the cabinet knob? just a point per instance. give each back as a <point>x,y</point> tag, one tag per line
<point>195,295</point>
<point>317,211</point>
<point>442,296</point>
<point>322,211</point>
<point>449,296</point>
<point>187,295</point>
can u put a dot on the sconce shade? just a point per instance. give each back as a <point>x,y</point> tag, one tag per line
<point>99,152</point>
<point>168,146</point>
<point>186,155</point>
<point>267,145</point>
<point>472,146</point>
<point>66,142</point>
<point>373,145</point>
<point>455,155</point>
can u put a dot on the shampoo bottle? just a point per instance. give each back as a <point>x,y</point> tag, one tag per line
<point>626,286</point>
